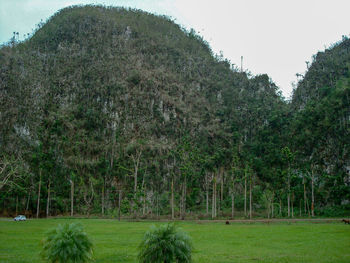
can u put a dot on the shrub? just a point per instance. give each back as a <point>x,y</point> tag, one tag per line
<point>67,243</point>
<point>134,78</point>
<point>165,244</point>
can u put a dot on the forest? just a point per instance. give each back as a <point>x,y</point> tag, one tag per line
<point>120,113</point>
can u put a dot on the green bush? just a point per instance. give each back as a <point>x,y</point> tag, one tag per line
<point>165,244</point>
<point>67,243</point>
<point>333,211</point>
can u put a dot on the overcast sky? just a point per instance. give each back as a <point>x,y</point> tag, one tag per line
<point>274,36</point>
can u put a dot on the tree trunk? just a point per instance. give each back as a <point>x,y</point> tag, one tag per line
<point>250,197</point>
<point>172,199</point>
<point>305,201</point>
<point>272,204</point>
<point>27,206</point>
<point>233,199</point>
<point>217,204</point>
<point>135,179</point>
<point>281,206</point>
<point>16,205</point>
<point>71,197</point>
<point>38,203</point>
<point>207,199</point>
<point>213,205</point>
<point>215,197</point>
<point>157,202</point>
<point>182,201</point>
<point>245,194</point>
<point>136,160</point>
<point>288,203</point>
<point>185,194</point>
<point>312,194</point>
<point>288,194</point>
<point>119,203</point>
<point>207,192</point>
<point>144,201</point>
<point>103,198</point>
<point>293,205</point>
<point>222,190</point>
<point>107,203</point>
<point>218,192</point>
<point>48,199</point>
<point>233,206</point>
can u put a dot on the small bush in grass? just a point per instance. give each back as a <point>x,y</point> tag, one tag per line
<point>165,244</point>
<point>67,243</point>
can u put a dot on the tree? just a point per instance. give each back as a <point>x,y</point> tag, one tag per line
<point>288,156</point>
<point>165,244</point>
<point>67,243</point>
<point>188,156</point>
<point>267,199</point>
<point>9,170</point>
<point>135,149</point>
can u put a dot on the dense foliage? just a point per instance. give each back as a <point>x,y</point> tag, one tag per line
<point>67,243</point>
<point>165,244</point>
<point>115,111</point>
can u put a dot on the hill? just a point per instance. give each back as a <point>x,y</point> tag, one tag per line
<point>320,128</point>
<point>326,69</point>
<point>322,111</point>
<point>110,108</point>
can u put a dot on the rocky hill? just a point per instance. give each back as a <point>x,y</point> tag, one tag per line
<point>321,106</point>
<point>104,101</point>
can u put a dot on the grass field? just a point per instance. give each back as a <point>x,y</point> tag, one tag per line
<point>213,242</point>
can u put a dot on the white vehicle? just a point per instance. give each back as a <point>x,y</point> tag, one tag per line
<point>20,218</point>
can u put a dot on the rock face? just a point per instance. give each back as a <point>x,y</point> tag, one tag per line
<point>321,106</point>
<point>101,63</point>
<point>326,70</point>
<point>116,70</point>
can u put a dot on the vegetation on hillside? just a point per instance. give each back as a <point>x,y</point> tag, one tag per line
<point>117,111</point>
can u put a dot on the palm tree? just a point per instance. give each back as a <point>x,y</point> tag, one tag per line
<point>67,243</point>
<point>165,244</point>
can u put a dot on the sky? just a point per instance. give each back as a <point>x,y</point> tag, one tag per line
<point>275,37</point>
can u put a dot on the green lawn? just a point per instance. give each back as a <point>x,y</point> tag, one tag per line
<point>214,242</point>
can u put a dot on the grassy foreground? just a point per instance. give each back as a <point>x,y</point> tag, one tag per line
<point>213,242</point>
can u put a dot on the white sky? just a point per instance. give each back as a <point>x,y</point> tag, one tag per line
<point>274,36</point>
